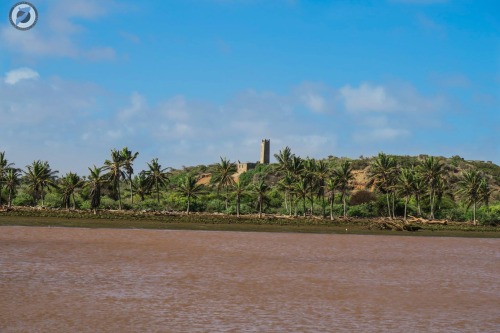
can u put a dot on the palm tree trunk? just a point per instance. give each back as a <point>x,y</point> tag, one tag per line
<point>227,196</point>
<point>131,190</point>
<point>119,195</point>
<point>312,204</point>
<point>157,192</point>
<point>345,206</point>
<point>286,203</point>
<point>74,201</point>
<point>189,203</point>
<point>388,205</point>
<point>218,199</point>
<point>474,212</point>
<point>10,198</point>
<point>323,203</point>
<point>237,206</point>
<point>393,206</point>
<point>295,207</point>
<point>43,204</point>
<point>418,205</point>
<point>1,194</point>
<point>431,216</point>
<point>406,204</point>
<point>260,208</point>
<point>304,206</point>
<point>331,208</point>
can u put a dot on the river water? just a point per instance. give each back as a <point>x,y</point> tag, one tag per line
<point>102,280</point>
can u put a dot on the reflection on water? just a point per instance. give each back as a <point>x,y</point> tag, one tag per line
<point>88,280</point>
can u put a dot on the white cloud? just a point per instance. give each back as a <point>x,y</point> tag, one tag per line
<point>451,80</point>
<point>381,134</point>
<point>175,108</point>
<point>316,97</point>
<point>16,75</point>
<point>367,98</point>
<point>137,105</point>
<point>130,37</point>
<point>314,102</point>
<point>84,122</point>
<point>100,53</point>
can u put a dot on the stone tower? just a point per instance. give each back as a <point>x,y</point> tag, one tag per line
<point>265,151</point>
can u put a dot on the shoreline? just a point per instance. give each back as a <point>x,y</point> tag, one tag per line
<point>249,223</point>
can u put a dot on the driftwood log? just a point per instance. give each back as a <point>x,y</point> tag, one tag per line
<point>414,219</point>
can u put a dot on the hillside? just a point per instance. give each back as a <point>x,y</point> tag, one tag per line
<point>454,166</point>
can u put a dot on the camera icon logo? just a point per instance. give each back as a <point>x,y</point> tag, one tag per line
<point>23,15</point>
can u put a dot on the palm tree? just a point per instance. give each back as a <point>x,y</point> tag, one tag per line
<point>310,173</point>
<point>419,189</point>
<point>322,173</point>
<point>39,176</point>
<point>406,185</point>
<point>301,190</point>
<point>296,171</point>
<point>68,186</point>
<point>331,185</point>
<point>156,176</point>
<point>115,172</point>
<point>11,181</point>
<point>345,176</point>
<point>442,189</point>
<point>285,185</point>
<point>485,192</point>
<point>381,175</point>
<point>239,192</point>
<point>141,185</point>
<point>223,176</point>
<point>296,166</point>
<point>4,167</point>
<point>128,160</point>
<point>260,188</point>
<point>190,189</point>
<point>284,158</point>
<point>95,181</point>
<point>392,188</point>
<point>431,170</point>
<point>469,189</point>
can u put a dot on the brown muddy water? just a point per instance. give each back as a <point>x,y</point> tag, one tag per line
<point>102,280</point>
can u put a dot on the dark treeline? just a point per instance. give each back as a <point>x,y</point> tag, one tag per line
<point>392,186</point>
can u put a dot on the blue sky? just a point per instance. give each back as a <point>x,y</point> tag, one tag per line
<point>189,81</point>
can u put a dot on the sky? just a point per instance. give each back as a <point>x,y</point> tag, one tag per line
<point>190,81</point>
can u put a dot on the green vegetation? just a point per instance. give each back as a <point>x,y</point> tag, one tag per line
<point>404,189</point>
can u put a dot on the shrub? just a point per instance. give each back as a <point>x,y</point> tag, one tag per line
<point>23,199</point>
<point>489,216</point>
<point>149,204</point>
<point>213,205</point>
<point>453,214</point>
<point>361,197</point>
<point>108,203</point>
<point>363,210</point>
<point>85,205</point>
<point>53,200</point>
<point>337,210</point>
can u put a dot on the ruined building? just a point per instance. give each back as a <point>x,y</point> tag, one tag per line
<point>264,151</point>
<point>264,157</point>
